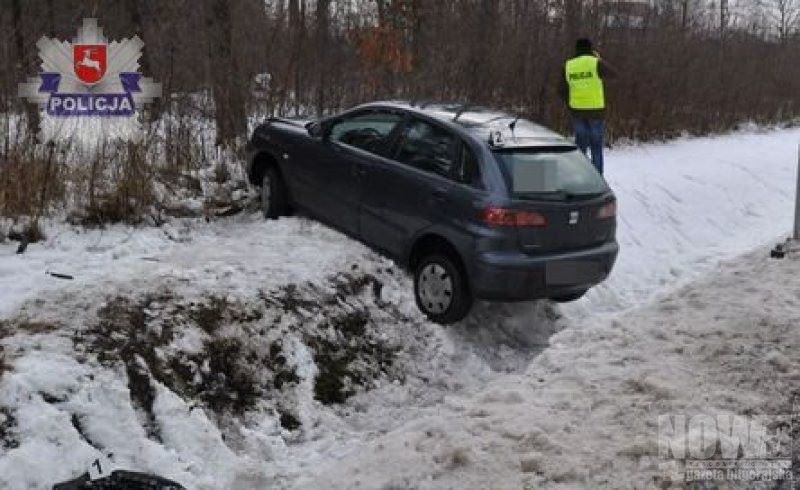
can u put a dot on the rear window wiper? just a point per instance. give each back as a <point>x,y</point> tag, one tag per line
<point>545,195</point>
<point>559,195</point>
<point>583,195</point>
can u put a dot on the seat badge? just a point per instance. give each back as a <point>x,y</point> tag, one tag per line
<point>573,217</point>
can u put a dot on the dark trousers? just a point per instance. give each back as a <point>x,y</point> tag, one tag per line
<point>589,136</point>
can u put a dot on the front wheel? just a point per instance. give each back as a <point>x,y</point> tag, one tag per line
<point>441,290</point>
<point>274,200</point>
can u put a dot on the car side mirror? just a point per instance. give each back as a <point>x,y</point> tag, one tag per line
<point>315,129</point>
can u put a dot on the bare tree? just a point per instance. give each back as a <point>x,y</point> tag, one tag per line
<point>227,85</point>
<point>322,22</point>
<point>24,63</point>
<point>325,55</point>
<point>784,16</point>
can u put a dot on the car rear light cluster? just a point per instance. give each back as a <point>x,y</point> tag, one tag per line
<point>609,210</point>
<point>495,216</point>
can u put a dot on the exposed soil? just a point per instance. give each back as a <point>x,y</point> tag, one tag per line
<point>243,363</point>
<point>8,426</point>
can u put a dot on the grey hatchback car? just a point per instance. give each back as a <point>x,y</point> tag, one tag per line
<point>476,203</point>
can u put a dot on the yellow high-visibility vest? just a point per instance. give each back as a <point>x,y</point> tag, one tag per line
<point>585,86</point>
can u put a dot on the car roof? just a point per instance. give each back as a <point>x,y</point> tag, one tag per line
<point>489,126</point>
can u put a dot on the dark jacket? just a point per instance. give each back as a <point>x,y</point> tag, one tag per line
<point>605,71</point>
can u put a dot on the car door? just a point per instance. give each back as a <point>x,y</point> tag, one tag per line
<point>335,173</point>
<point>411,190</point>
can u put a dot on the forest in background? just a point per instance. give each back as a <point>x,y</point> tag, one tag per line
<point>695,66</point>
<point>687,65</point>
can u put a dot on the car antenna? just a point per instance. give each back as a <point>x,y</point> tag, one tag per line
<point>512,125</point>
<point>461,110</point>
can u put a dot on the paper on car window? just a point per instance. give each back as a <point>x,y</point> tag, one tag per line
<point>535,174</point>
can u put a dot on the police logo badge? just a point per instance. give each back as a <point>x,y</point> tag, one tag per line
<point>90,77</point>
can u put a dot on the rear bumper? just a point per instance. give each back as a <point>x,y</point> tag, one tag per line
<point>515,276</point>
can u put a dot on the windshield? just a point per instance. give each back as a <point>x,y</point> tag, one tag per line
<point>557,172</point>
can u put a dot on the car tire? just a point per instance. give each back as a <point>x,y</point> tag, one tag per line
<point>437,279</point>
<point>568,298</point>
<point>274,196</point>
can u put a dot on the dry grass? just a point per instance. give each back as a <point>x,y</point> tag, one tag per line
<point>116,183</point>
<point>31,181</point>
<point>111,181</point>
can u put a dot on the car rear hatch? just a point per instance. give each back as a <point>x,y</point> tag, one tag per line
<point>560,201</point>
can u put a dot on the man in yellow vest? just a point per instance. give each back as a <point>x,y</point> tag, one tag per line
<point>584,93</point>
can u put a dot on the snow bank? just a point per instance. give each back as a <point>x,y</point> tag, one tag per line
<point>687,204</point>
<point>198,363</point>
<point>237,359</point>
<point>585,412</point>
<point>73,380</point>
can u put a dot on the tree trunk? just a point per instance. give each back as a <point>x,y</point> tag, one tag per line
<point>24,66</point>
<point>227,85</point>
<point>135,8</point>
<point>572,19</point>
<point>297,36</point>
<point>323,20</point>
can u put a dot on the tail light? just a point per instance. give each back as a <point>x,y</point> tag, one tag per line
<point>512,217</point>
<point>609,210</point>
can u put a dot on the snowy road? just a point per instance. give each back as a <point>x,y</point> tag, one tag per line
<point>684,206</point>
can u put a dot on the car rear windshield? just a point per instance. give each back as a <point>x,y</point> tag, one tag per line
<point>552,172</point>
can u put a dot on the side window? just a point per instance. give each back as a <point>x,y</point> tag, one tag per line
<point>429,148</point>
<point>469,171</point>
<point>368,131</point>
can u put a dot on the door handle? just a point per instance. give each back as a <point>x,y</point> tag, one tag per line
<point>359,170</point>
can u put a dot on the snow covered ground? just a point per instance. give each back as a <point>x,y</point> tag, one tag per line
<point>585,412</point>
<point>685,205</point>
<point>245,354</point>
